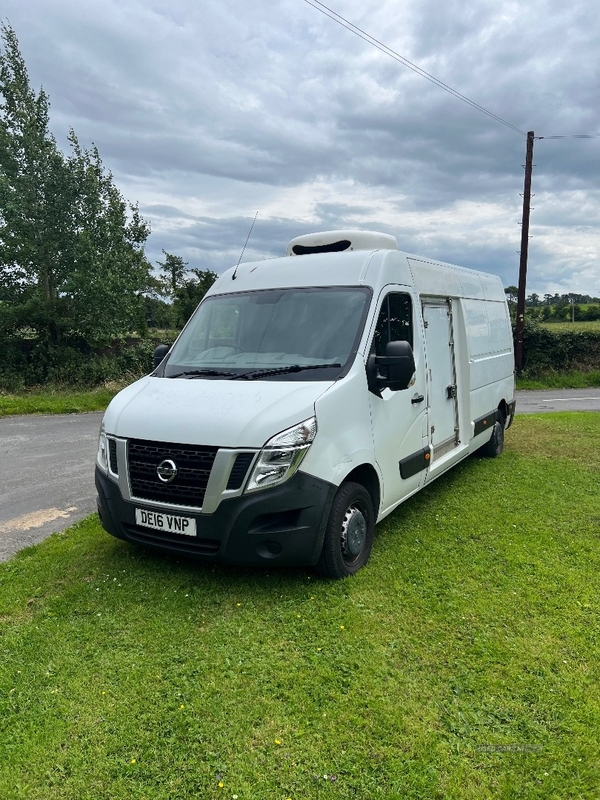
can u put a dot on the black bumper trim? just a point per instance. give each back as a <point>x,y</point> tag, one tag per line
<point>485,423</point>
<point>414,463</point>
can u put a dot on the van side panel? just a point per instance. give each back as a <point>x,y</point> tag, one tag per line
<point>489,341</point>
<point>482,339</point>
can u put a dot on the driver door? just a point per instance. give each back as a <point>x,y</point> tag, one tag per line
<point>399,419</point>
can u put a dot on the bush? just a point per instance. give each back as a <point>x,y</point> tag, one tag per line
<point>545,350</point>
<point>25,364</point>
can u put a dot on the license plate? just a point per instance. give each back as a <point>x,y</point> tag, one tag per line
<point>159,521</point>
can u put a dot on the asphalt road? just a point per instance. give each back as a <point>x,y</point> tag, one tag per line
<point>47,466</point>
<point>529,402</point>
<point>46,476</point>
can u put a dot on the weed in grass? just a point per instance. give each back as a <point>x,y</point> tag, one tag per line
<point>461,663</point>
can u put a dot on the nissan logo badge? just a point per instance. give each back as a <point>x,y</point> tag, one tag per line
<point>166,470</point>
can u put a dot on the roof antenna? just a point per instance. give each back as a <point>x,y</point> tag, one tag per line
<point>233,277</point>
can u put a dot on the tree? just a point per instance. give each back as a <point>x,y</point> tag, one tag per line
<point>31,172</point>
<point>173,269</point>
<point>190,293</point>
<point>108,271</point>
<point>71,248</point>
<point>512,294</point>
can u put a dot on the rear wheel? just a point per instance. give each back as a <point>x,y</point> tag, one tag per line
<point>495,445</point>
<point>349,534</point>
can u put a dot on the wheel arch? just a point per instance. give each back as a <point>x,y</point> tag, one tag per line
<point>503,412</point>
<point>366,475</point>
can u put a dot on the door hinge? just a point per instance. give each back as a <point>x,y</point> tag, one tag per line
<point>451,391</point>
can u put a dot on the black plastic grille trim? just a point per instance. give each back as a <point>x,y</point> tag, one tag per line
<point>239,470</point>
<point>112,456</point>
<point>194,463</point>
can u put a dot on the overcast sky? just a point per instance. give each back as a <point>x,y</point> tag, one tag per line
<point>209,112</point>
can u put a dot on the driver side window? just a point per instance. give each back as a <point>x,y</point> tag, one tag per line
<point>394,322</point>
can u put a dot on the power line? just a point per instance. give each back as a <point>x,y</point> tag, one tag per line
<point>328,12</point>
<point>572,136</point>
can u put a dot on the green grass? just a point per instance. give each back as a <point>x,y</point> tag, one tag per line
<point>560,380</point>
<point>572,327</point>
<point>461,663</point>
<point>67,401</point>
<point>56,401</point>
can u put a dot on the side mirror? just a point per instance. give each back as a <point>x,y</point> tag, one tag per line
<point>159,353</point>
<point>392,371</point>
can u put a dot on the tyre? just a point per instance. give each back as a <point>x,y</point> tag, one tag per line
<point>349,533</point>
<point>495,445</point>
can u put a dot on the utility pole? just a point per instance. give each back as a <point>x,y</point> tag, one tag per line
<point>520,323</point>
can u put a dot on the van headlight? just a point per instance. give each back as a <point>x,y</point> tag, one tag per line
<point>281,456</point>
<point>102,457</point>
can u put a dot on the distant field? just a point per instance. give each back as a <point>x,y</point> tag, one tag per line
<point>577,327</point>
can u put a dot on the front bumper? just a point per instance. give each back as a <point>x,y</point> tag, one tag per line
<point>284,525</point>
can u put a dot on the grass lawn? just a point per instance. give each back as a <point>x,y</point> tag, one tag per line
<point>560,380</point>
<point>56,401</point>
<point>64,401</point>
<point>461,663</point>
<point>572,327</point>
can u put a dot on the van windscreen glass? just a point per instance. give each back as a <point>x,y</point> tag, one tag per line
<point>275,334</point>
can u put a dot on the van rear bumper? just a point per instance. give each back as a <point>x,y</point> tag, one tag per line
<point>284,525</point>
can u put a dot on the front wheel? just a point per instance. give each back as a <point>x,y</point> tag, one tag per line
<point>349,533</point>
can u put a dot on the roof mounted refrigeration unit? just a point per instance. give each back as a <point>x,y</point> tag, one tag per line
<point>339,241</point>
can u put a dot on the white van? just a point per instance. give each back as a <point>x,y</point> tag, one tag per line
<point>306,398</point>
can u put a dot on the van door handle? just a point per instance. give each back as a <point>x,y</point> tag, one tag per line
<point>418,398</point>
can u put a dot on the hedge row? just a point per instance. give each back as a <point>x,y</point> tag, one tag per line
<point>545,350</point>
<point>25,364</point>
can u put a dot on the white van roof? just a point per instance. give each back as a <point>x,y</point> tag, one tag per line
<point>339,241</point>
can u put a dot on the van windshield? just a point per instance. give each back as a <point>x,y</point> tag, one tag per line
<point>274,334</point>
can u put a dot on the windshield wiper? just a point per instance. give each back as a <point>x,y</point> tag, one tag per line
<point>201,373</point>
<point>265,373</point>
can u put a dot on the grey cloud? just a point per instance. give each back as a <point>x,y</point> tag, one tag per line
<point>211,105</point>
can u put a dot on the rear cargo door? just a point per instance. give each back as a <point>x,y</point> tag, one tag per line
<point>441,377</point>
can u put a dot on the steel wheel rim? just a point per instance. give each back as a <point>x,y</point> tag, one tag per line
<point>354,533</point>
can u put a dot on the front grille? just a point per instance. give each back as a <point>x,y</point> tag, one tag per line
<point>193,462</point>
<point>170,541</point>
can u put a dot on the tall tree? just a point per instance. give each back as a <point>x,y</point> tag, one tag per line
<point>31,168</point>
<point>108,271</point>
<point>71,249</point>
